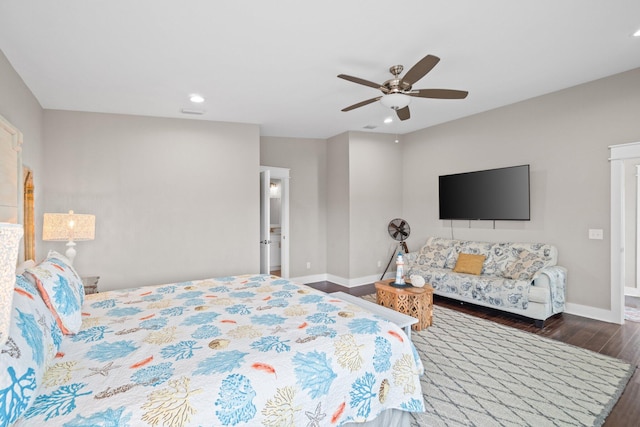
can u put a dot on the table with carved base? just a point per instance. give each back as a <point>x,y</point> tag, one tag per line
<point>412,301</point>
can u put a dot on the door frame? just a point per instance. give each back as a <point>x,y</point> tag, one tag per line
<point>619,153</point>
<point>283,175</point>
<point>265,222</point>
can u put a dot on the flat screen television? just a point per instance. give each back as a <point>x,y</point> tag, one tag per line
<point>494,194</point>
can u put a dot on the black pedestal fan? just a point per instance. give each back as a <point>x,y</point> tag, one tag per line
<point>398,230</point>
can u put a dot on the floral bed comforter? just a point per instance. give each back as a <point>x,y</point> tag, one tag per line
<point>234,351</point>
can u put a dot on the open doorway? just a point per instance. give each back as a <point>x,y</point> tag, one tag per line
<point>274,221</point>
<point>624,220</point>
<point>632,239</point>
<point>275,228</point>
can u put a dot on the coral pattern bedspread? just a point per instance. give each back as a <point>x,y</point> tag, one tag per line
<point>233,351</point>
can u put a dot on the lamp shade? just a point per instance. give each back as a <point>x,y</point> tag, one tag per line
<point>68,226</point>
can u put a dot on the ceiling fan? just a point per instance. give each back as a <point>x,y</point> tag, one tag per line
<point>397,92</point>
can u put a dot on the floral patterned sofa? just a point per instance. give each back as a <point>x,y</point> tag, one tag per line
<point>520,278</point>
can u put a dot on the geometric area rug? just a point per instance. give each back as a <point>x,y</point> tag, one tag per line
<point>480,373</point>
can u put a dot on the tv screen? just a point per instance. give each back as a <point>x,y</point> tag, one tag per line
<point>494,194</point>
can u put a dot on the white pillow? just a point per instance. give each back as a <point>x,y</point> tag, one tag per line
<point>24,265</point>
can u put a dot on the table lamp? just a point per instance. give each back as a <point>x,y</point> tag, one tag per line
<point>68,226</point>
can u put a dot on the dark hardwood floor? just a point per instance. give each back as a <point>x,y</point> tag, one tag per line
<point>619,341</point>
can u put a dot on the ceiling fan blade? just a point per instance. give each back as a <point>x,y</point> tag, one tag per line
<point>361,104</point>
<point>419,70</point>
<point>403,113</point>
<point>439,93</point>
<point>360,81</point>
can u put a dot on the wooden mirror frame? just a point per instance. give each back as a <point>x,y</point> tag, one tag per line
<point>29,216</point>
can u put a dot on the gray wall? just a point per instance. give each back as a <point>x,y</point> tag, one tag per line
<point>307,161</point>
<point>375,198</point>
<point>174,199</point>
<point>344,192</point>
<point>564,137</point>
<point>166,192</point>
<point>22,109</point>
<point>338,235</point>
<point>364,192</point>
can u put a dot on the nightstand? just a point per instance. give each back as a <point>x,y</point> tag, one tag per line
<point>90,284</point>
<point>412,301</point>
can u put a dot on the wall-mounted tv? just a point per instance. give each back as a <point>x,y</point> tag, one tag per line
<point>494,194</point>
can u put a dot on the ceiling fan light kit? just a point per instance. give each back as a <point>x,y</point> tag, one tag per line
<point>395,101</point>
<point>397,92</point>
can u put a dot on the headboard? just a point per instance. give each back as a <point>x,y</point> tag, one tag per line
<point>11,185</point>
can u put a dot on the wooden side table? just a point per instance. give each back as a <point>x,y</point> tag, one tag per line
<point>90,284</point>
<point>415,302</point>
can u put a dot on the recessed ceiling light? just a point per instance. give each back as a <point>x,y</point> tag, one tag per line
<point>196,98</point>
<point>388,120</point>
<point>637,33</point>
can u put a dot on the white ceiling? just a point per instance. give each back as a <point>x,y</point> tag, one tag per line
<point>274,63</point>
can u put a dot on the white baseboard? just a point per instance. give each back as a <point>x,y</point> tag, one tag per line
<point>351,283</point>
<point>591,312</point>
<point>342,281</point>
<point>632,292</point>
<point>309,279</point>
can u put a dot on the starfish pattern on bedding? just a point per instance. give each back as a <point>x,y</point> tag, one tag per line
<point>104,371</point>
<point>315,417</point>
<point>42,321</point>
<point>278,329</point>
<point>11,349</point>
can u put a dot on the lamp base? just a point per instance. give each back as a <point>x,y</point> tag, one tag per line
<point>71,251</point>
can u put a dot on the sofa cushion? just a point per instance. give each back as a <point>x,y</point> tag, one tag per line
<point>434,253</point>
<point>486,290</point>
<point>503,255</point>
<point>498,258</point>
<point>524,266</point>
<point>469,263</point>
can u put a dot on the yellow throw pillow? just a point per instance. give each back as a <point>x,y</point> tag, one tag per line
<point>469,263</point>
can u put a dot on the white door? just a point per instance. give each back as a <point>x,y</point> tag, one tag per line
<point>283,175</point>
<point>265,222</point>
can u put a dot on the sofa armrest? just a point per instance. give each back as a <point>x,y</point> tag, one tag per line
<point>554,278</point>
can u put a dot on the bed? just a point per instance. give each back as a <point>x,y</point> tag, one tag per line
<point>234,351</point>
<point>245,350</point>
